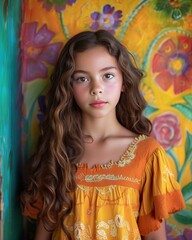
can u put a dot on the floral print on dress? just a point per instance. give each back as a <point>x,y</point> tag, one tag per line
<point>37,51</point>
<point>172,64</point>
<point>166,130</point>
<point>81,232</point>
<point>109,19</point>
<point>111,227</point>
<point>59,5</point>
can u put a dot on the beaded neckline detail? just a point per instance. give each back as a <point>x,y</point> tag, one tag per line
<point>125,159</point>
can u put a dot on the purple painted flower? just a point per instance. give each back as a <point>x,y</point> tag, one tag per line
<point>59,5</point>
<point>186,235</point>
<point>37,51</point>
<point>166,130</point>
<point>109,19</point>
<point>42,107</point>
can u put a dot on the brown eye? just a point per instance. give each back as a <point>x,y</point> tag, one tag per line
<point>108,76</point>
<point>81,79</point>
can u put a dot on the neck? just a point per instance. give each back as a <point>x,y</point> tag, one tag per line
<point>100,128</point>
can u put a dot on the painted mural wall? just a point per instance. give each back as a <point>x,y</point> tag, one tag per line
<point>10,130</point>
<point>158,33</point>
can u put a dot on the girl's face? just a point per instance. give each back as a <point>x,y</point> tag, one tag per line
<point>97,82</point>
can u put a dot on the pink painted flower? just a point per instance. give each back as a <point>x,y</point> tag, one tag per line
<point>172,64</point>
<point>166,130</point>
<point>37,51</point>
<point>59,5</point>
<point>109,19</point>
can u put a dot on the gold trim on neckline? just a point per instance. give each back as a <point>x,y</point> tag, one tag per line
<point>125,159</point>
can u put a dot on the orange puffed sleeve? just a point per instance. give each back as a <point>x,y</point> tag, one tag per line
<point>32,210</point>
<point>160,193</point>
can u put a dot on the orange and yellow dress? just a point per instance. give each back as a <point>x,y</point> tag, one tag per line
<point>123,199</point>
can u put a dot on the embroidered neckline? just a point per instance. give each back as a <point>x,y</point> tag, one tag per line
<point>125,158</point>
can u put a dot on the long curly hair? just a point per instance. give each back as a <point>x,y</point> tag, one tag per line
<point>61,144</point>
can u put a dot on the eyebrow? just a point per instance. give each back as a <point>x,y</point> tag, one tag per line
<point>102,70</point>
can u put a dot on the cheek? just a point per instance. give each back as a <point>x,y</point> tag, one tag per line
<point>114,89</point>
<point>79,94</point>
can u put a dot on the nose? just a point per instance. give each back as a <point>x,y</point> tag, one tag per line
<point>96,89</point>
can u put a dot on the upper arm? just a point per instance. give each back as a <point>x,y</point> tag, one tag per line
<point>160,234</point>
<point>42,233</point>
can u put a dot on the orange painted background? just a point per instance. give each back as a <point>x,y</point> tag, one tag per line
<point>159,35</point>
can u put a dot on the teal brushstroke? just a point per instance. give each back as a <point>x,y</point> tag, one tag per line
<point>9,118</point>
<point>188,99</point>
<point>164,32</point>
<point>130,18</point>
<point>184,217</point>
<point>149,110</point>
<point>187,191</point>
<point>185,109</point>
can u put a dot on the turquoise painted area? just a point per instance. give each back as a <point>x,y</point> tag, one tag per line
<point>9,117</point>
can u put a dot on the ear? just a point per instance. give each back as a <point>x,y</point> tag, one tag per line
<point>123,88</point>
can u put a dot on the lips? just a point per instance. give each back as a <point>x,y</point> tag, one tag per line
<point>98,104</point>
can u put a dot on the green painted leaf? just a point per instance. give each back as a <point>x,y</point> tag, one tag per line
<point>188,155</point>
<point>188,147</point>
<point>186,110</point>
<point>188,99</point>
<point>187,191</point>
<point>184,216</point>
<point>161,5</point>
<point>149,110</point>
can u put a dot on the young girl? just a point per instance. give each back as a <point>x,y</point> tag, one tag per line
<point>97,174</point>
